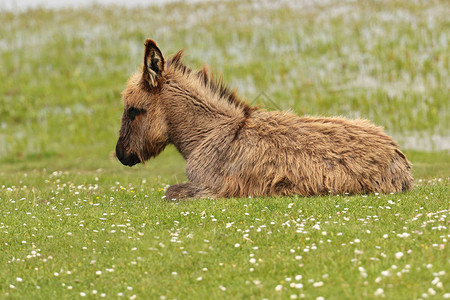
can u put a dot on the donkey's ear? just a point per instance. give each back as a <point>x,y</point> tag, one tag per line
<point>153,63</point>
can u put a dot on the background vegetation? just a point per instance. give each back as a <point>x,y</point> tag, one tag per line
<point>74,222</point>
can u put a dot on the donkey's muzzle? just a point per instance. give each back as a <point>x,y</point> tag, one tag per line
<point>126,159</point>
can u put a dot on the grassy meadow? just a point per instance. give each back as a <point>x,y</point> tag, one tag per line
<point>75,223</point>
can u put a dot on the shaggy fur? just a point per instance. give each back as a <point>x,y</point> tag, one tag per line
<point>235,150</point>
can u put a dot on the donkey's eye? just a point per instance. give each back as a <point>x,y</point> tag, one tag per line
<point>133,112</point>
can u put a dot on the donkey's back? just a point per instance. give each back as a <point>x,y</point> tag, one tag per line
<point>278,153</point>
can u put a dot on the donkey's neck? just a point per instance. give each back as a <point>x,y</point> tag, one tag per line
<point>194,113</point>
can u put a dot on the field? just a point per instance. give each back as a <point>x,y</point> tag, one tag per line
<point>76,223</point>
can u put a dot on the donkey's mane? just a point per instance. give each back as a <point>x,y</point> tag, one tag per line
<point>217,86</point>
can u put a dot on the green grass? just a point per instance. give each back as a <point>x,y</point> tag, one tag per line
<point>74,220</point>
<point>65,233</point>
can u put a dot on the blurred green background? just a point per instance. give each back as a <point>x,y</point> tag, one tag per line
<point>62,71</point>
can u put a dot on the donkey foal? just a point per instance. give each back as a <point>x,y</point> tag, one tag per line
<point>235,150</point>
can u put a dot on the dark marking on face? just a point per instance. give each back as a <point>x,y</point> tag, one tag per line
<point>133,112</point>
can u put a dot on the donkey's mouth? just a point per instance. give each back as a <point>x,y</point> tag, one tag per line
<point>129,160</point>
<point>132,160</point>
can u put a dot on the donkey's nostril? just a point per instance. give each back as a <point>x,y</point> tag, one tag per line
<point>120,153</point>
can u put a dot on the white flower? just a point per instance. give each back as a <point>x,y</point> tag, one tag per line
<point>379,292</point>
<point>399,255</point>
<point>19,279</point>
<point>318,284</point>
<point>252,260</point>
<point>278,288</point>
<point>403,235</point>
<point>363,272</point>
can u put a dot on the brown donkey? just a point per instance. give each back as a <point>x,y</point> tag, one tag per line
<point>235,150</point>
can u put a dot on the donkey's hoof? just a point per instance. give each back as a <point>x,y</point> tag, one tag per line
<point>181,191</point>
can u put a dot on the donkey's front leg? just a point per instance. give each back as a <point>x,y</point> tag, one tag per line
<point>187,190</point>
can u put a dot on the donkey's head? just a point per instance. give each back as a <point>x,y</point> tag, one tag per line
<point>143,133</point>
